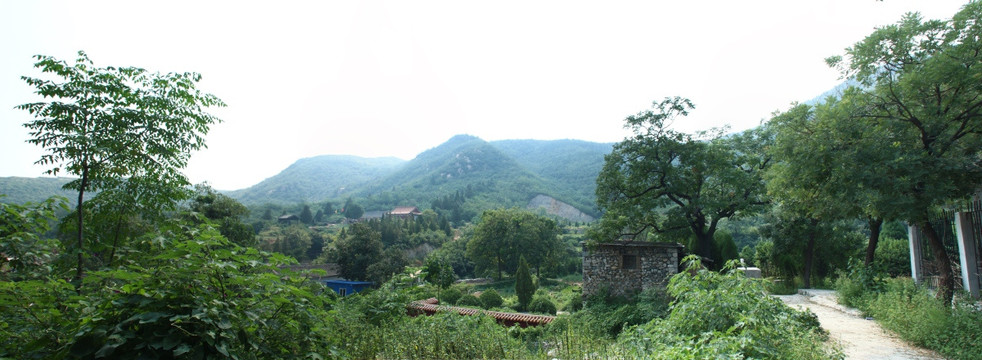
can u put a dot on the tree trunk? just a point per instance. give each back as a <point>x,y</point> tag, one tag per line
<point>704,248</point>
<point>875,225</point>
<point>946,278</point>
<point>806,274</point>
<point>81,194</point>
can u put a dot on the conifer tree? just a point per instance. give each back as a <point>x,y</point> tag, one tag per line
<point>524,287</point>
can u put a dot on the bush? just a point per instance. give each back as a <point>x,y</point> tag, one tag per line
<point>450,295</point>
<point>491,299</point>
<point>469,300</point>
<point>543,305</point>
<point>723,315</point>
<point>914,314</point>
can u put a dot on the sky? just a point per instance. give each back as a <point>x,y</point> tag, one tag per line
<point>395,78</point>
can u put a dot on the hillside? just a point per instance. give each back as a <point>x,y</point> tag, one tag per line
<point>479,175</point>
<point>466,164</point>
<point>473,173</point>
<point>318,178</point>
<point>19,190</point>
<point>571,166</point>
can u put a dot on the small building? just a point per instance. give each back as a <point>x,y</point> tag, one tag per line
<point>286,219</point>
<point>405,212</point>
<point>346,287</point>
<point>626,268</point>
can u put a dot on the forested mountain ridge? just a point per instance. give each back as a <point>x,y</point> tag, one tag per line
<point>497,174</point>
<point>480,176</point>
<point>318,178</point>
<point>19,190</point>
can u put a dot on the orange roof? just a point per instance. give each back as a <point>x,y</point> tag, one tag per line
<point>431,306</point>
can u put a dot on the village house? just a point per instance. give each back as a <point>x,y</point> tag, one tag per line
<point>405,212</point>
<point>626,268</point>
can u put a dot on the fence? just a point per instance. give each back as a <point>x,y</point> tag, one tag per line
<point>944,225</point>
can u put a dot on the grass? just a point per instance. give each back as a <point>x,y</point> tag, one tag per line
<point>914,314</point>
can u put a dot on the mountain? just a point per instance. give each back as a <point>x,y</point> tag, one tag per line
<point>19,190</point>
<point>318,178</point>
<point>464,175</point>
<point>571,166</point>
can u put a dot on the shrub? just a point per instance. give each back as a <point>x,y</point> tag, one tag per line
<point>543,305</point>
<point>469,300</point>
<point>491,299</point>
<point>724,315</point>
<point>917,316</point>
<point>450,295</point>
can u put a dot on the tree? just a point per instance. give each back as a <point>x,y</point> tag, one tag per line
<point>668,182</point>
<point>352,210</point>
<point>524,287</point>
<point>305,216</point>
<point>922,81</point>
<point>502,236</point>
<point>109,124</point>
<point>226,212</point>
<point>356,250</point>
<point>832,165</point>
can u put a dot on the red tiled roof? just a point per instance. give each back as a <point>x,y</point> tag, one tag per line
<point>431,306</point>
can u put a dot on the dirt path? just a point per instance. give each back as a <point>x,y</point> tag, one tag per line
<point>860,338</point>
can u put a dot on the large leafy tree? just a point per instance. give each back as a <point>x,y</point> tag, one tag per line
<point>828,167</point>
<point>664,181</point>
<point>502,236</point>
<point>356,251</point>
<point>107,124</point>
<point>923,81</point>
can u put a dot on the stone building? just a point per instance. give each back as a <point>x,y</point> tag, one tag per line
<point>628,267</point>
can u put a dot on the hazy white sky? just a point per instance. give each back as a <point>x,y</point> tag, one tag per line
<point>394,78</point>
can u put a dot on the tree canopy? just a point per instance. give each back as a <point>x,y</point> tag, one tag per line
<point>116,125</point>
<point>667,182</point>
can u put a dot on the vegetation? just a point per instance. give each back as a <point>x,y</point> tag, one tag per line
<point>667,182</point>
<point>121,129</point>
<point>914,313</point>
<point>504,236</point>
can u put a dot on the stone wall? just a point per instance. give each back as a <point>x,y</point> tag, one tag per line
<point>627,268</point>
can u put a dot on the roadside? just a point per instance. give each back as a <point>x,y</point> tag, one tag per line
<point>860,338</point>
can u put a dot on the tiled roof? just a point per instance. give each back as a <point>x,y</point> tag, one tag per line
<point>431,306</point>
<point>404,210</point>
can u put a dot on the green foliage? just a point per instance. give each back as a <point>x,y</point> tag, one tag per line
<point>490,299</point>
<point>306,216</point>
<point>293,241</point>
<point>921,95</point>
<point>201,308</point>
<point>917,316</point>
<point>524,287</point>
<point>723,315</point>
<point>502,236</point>
<point>470,300</point>
<point>668,182</point>
<point>893,256</point>
<point>355,252</point>
<point>450,295</point>
<point>225,211</point>
<point>23,253</point>
<point>439,273</point>
<point>119,128</point>
<point>543,305</point>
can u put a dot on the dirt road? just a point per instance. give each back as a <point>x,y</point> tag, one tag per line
<point>860,338</point>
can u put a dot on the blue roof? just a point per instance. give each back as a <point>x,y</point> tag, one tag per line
<point>347,282</point>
